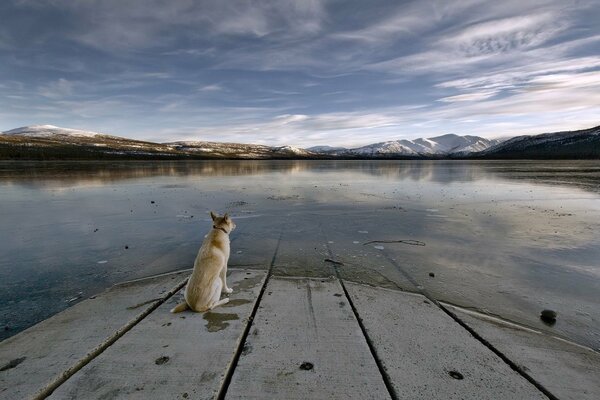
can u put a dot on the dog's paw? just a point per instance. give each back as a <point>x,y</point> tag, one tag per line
<point>227,290</point>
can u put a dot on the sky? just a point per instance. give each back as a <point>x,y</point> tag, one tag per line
<point>300,72</point>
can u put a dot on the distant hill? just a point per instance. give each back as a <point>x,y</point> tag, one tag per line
<point>48,142</point>
<point>584,144</point>
<point>238,150</point>
<point>326,149</point>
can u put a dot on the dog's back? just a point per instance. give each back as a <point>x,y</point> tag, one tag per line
<point>211,258</point>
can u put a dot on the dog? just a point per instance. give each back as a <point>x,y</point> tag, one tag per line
<point>209,277</point>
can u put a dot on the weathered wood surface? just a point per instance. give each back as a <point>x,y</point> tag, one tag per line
<point>168,356</point>
<point>37,358</point>
<point>419,346</point>
<point>567,370</point>
<point>303,321</point>
<point>124,343</point>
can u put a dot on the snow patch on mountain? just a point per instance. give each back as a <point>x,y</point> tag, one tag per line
<point>439,145</point>
<point>49,130</point>
<point>384,148</point>
<point>294,150</point>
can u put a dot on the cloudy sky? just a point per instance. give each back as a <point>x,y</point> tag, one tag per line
<point>301,72</point>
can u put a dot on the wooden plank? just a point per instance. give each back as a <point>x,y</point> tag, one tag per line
<point>420,346</point>
<point>304,321</point>
<point>167,356</point>
<point>567,370</point>
<point>38,358</point>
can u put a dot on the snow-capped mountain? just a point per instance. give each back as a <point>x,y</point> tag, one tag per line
<point>393,147</point>
<point>49,130</point>
<point>294,150</point>
<point>435,146</point>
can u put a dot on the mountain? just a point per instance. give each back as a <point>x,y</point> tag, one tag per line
<point>325,149</point>
<point>238,150</point>
<point>431,147</point>
<point>48,142</point>
<point>567,144</point>
<point>50,131</point>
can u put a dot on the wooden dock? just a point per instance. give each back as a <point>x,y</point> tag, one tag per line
<point>298,326</point>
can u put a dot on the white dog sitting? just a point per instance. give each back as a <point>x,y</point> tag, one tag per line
<point>208,280</point>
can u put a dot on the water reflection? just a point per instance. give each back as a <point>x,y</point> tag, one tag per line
<point>583,174</point>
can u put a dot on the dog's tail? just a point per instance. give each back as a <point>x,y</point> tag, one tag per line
<point>180,307</point>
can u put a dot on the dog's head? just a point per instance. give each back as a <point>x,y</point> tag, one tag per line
<point>224,222</point>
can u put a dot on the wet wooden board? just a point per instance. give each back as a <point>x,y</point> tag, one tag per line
<point>567,370</point>
<point>421,348</point>
<point>302,321</point>
<point>37,358</point>
<point>167,356</point>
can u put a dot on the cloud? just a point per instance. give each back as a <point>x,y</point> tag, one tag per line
<point>300,72</point>
<point>138,24</point>
<point>506,34</point>
<point>565,81</point>
<point>402,23</point>
<point>211,88</point>
<point>479,45</point>
<point>57,89</point>
<point>518,75</point>
<point>306,130</point>
<point>475,96</point>
<point>406,20</point>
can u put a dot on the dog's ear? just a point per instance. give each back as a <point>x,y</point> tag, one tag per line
<point>226,216</point>
<point>213,215</point>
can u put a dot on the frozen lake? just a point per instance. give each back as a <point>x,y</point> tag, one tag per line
<point>506,238</point>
